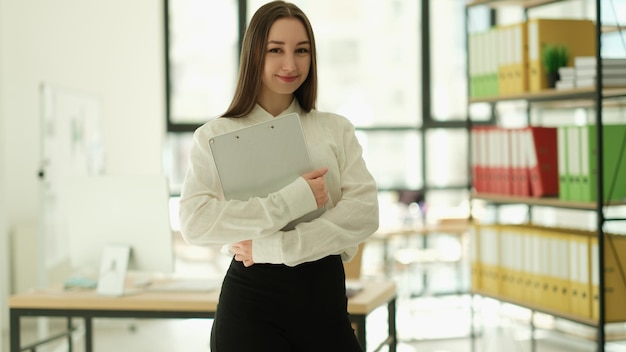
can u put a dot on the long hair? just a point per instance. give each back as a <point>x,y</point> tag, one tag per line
<point>253,59</point>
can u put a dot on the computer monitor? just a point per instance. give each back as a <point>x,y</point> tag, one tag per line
<point>124,209</point>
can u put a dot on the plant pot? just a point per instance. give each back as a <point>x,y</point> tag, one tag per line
<point>552,78</point>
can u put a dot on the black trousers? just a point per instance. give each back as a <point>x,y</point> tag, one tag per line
<point>270,307</point>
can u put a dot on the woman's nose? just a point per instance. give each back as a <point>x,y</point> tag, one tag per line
<point>289,63</point>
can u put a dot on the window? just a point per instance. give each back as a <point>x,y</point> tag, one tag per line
<point>203,52</point>
<point>369,66</point>
<point>368,57</point>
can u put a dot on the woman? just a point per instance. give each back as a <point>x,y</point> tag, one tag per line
<point>284,290</point>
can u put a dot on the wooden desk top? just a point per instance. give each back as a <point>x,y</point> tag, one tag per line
<point>447,228</point>
<point>373,295</point>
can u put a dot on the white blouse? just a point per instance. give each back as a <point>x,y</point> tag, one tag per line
<point>206,218</point>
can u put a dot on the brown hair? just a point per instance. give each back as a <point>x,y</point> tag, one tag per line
<point>253,59</point>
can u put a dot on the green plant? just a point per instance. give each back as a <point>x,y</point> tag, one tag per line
<point>554,56</point>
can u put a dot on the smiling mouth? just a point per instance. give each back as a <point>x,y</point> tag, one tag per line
<point>287,79</point>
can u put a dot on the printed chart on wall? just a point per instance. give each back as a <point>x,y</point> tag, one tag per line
<point>71,145</point>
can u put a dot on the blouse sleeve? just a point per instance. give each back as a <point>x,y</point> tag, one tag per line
<point>207,219</point>
<point>350,220</point>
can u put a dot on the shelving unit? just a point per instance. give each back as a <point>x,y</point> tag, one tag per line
<point>595,98</point>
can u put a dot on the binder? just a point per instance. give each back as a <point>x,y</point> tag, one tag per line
<point>614,277</point>
<point>504,168</point>
<point>528,261</point>
<point>493,46</point>
<point>490,258</point>
<point>505,63</point>
<point>507,272</point>
<point>574,276</point>
<point>614,281</point>
<point>580,276</point>
<point>613,159</point>
<point>518,263</point>
<point>595,277</point>
<point>474,257</point>
<point>573,163</point>
<point>519,61</point>
<point>473,65</point>
<point>541,146</point>
<point>560,268</point>
<point>520,185</point>
<point>479,56</point>
<point>479,159</point>
<point>535,293</point>
<point>577,35</point>
<point>492,178</point>
<point>544,298</point>
<point>562,163</point>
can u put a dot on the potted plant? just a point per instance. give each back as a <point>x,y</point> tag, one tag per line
<point>554,56</point>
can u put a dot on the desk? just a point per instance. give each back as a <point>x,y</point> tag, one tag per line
<point>87,304</point>
<point>384,234</point>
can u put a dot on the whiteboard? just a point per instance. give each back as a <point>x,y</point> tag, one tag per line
<point>71,145</point>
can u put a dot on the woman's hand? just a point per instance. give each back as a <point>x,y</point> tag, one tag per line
<point>243,252</point>
<point>316,181</point>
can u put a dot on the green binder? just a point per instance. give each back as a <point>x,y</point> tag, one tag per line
<point>614,163</point>
<point>562,165</point>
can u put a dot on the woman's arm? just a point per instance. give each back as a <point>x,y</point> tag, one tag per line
<point>352,212</point>
<point>206,218</point>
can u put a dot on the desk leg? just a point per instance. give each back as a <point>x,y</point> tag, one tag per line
<point>69,335</point>
<point>386,264</point>
<point>391,309</point>
<point>15,333</point>
<point>88,334</point>
<point>359,323</point>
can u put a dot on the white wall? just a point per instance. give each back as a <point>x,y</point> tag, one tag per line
<point>4,245</point>
<point>112,49</point>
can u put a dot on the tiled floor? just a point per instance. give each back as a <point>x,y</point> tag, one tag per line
<point>425,323</point>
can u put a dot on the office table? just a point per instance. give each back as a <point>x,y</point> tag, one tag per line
<point>87,304</point>
<point>385,235</point>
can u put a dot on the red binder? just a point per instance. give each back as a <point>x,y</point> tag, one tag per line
<point>492,171</point>
<point>519,166</point>
<point>505,168</point>
<point>542,157</point>
<point>479,159</point>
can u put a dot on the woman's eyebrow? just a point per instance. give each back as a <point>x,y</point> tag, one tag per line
<point>278,42</point>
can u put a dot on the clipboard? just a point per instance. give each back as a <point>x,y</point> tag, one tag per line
<point>257,160</point>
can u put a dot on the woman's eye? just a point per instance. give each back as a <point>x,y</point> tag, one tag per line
<point>274,50</point>
<point>302,50</point>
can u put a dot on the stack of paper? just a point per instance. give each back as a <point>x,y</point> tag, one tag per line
<point>613,71</point>
<point>567,78</point>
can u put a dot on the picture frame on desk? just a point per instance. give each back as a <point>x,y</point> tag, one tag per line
<point>113,268</point>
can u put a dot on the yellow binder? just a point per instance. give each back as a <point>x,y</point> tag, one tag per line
<point>614,279</point>
<point>535,293</point>
<point>490,259</point>
<point>560,270</point>
<point>594,274</point>
<point>577,35</point>
<point>474,254</point>
<point>528,260</point>
<point>507,254</point>
<point>584,286</point>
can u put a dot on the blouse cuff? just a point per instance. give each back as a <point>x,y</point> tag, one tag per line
<point>268,249</point>
<point>299,198</point>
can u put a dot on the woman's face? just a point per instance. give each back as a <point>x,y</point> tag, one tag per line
<point>287,58</point>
